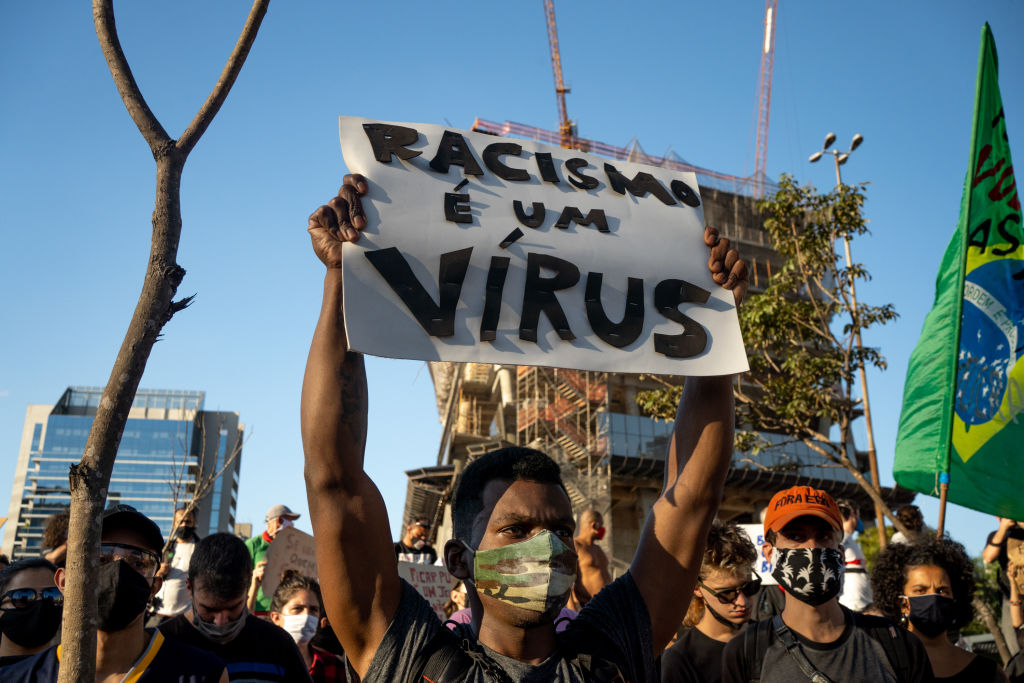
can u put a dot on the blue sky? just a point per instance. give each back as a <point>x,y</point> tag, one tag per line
<point>76,178</point>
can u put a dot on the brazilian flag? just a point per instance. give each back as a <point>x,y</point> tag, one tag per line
<point>963,402</point>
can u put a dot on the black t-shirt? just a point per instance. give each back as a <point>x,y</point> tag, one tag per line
<point>1014,532</point>
<point>260,652</point>
<point>163,661</point>
<point>980,670</point>
<point>854,657</point>
<point>425,555</point>
<point>693,658</point>
<point>618,614</point>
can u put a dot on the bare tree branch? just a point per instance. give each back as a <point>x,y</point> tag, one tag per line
<point>227,78</point>
<point>106,31</point>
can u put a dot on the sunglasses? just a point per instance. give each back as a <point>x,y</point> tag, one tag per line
<point>144,562</point>
<point>20,598</point>
<point>728,596</point>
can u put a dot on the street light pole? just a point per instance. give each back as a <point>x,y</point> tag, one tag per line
<point>839,160</point>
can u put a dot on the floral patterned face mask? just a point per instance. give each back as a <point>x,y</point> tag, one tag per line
<point>811,575</point>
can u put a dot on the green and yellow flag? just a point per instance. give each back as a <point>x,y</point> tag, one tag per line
<point>964,395</point>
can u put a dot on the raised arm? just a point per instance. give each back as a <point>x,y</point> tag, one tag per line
<point>672,544</point>
<point>355,558</point>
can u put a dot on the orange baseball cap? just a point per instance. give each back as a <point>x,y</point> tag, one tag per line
<point>798,501</point>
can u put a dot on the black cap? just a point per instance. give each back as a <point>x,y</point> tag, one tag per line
<point>127,517</point>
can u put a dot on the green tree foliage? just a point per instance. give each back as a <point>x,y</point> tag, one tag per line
<point>800,331</point>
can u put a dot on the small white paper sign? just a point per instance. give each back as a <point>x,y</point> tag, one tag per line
<point>762,566</point>
<point>494,250</point>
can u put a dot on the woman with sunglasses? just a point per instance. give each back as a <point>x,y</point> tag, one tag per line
<point>720,608</point>
<point>30,609</point>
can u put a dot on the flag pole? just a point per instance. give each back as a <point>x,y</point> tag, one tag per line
<point>943,492</point>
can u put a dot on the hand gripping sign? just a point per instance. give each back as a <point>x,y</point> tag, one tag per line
<point>492,250</point>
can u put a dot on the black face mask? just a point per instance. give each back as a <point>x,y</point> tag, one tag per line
<point>123,594</point>
<point>932,614</point>
<point>185,533</point>
<point>31,626</point>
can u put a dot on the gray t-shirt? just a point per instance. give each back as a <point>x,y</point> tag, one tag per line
<point>855,657</point>
<point>618,613</point>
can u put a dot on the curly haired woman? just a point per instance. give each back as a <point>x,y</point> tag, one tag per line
<point>929,587</point>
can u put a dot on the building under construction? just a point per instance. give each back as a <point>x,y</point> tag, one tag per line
<point>611,455</point>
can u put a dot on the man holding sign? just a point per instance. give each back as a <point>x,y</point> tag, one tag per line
<point>513,521</point>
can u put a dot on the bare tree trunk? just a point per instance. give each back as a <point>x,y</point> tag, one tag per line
<point>985,612</point>
<point>90,477</point>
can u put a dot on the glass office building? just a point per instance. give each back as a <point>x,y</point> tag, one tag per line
<point>169,444</point>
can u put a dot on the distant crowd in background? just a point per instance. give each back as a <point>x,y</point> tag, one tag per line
<point>194,609</point>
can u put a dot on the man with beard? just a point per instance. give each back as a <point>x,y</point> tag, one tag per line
<point>815,637</point>
<point>130,546</point>
<point>30,609</point>
<point>512,525</point>
<point>721,606</point>
<point>217,620</point>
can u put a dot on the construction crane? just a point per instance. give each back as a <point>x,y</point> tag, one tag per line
<point>764,96</point>
<point>566,129</point>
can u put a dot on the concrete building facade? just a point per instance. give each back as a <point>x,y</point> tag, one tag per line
<point>168,445</point>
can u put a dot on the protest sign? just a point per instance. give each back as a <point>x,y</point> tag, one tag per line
<point>486,249</point>
<point>432,581</point>
<point>291,549</point>
<point>763,567</point>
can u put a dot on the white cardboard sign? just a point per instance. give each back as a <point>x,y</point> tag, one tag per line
<point>487,249</point>
<point>291,549</point>
<point>432,581</point>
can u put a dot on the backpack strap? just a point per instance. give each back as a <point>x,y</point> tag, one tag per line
<point>891,639</point>
<point>756,639</point>
<point>441,659</point>
<point>795,651</point>
<point>448,658</point>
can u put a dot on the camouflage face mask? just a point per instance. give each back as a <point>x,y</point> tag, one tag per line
<point>536,574</point>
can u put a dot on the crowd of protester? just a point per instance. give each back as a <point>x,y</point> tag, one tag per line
<point>532,597</point>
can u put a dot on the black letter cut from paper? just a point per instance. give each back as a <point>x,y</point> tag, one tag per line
<point>685,193</point>
<point>453,150</point>
<point>668,294</point>
<point>492,159</point>
<point>387,140</point>
<point>585,182</point>
<point>532,220</point>
<point>436,320</point>
<point>546,166</point>
<point>619,334</point>
<point>456,208</point>
<point>571,214</point>
<point>492,297</point>
<point>639,186</point>
<point>539,295</point>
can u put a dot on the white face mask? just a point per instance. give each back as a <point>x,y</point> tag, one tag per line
<point>301,627</point>
<point>284,523</point>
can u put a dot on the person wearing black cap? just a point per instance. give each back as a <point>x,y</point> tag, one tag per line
<point>415,545</point>
<point>278,517</point>
<point>30,609</point>
<point>130,545</point>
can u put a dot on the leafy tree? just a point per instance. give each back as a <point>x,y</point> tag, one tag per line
<point>800,332</point>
